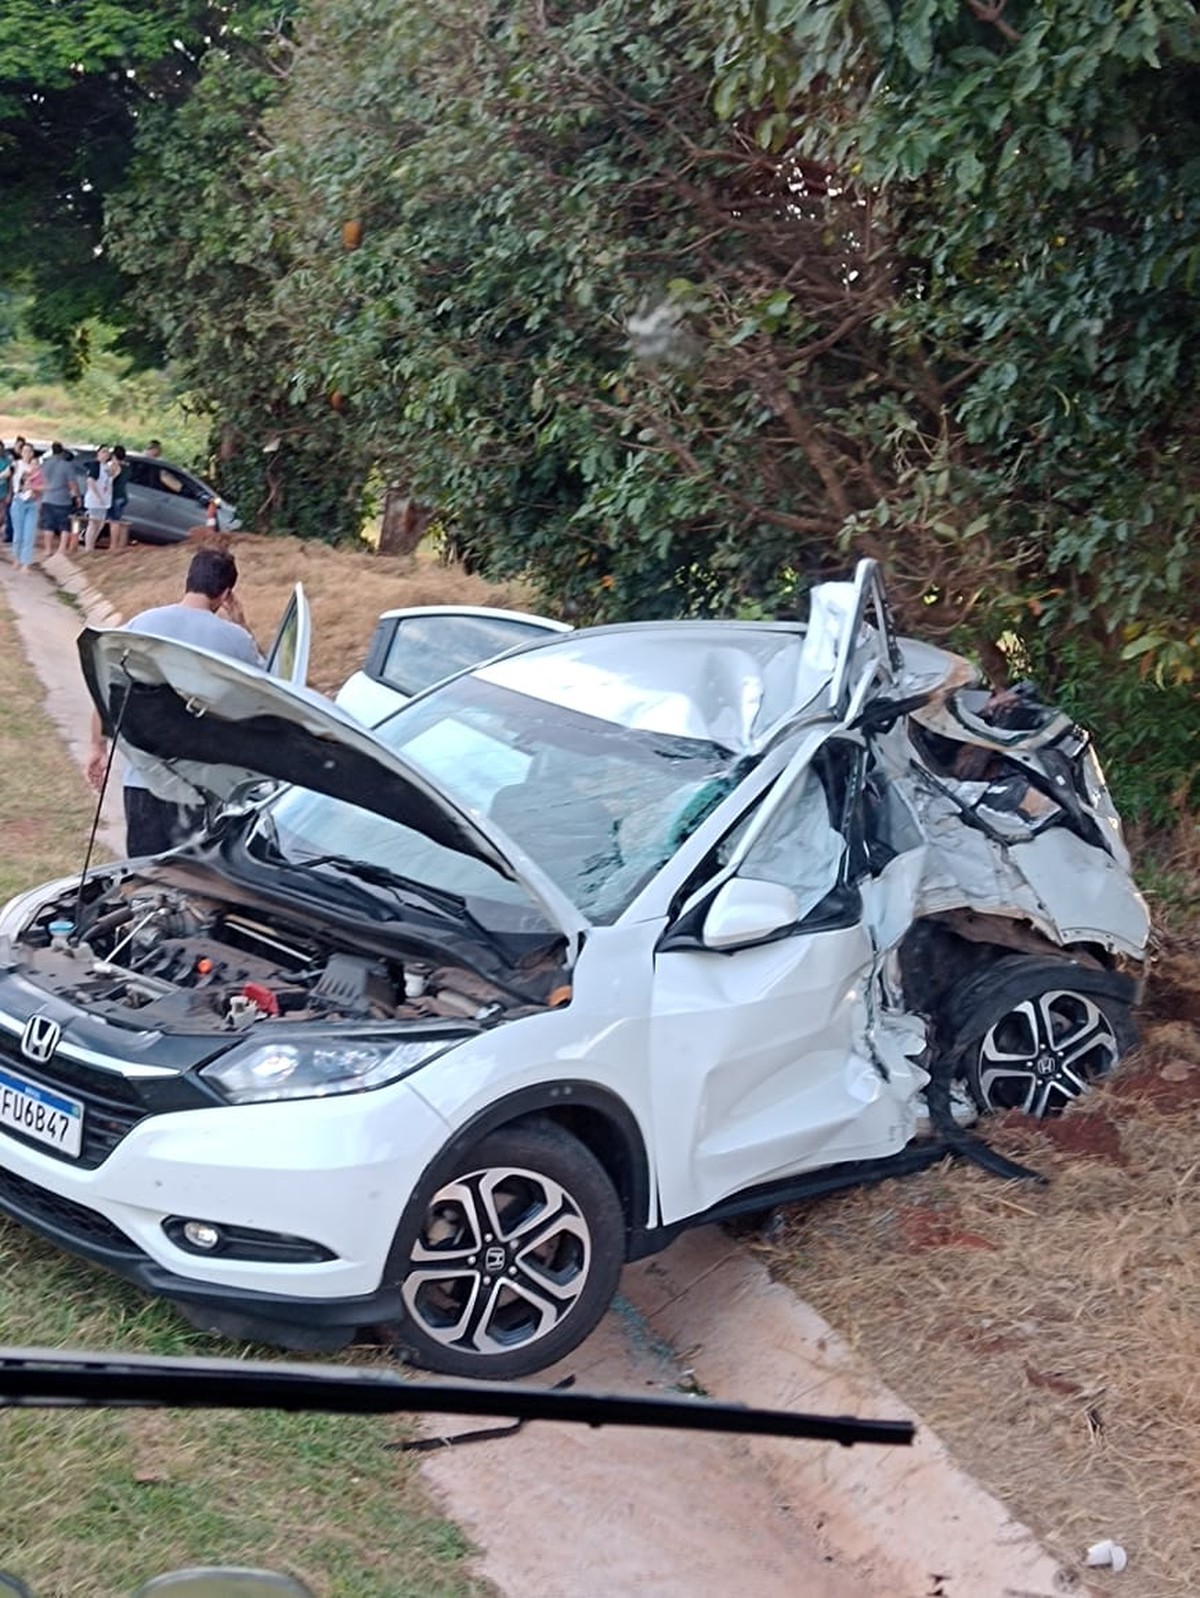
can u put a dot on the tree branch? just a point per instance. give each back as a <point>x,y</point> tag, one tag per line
<point>993,14</point>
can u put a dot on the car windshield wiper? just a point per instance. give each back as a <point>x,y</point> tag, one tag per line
<point>58,1378</point>
<point>439,899</point>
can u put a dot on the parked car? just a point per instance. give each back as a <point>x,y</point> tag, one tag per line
<point>632,929</point>
<point>166,501</point>
<point>412,649</point>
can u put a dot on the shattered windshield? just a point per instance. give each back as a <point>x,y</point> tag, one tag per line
<point>596,806</point>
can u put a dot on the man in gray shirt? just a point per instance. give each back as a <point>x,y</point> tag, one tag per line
<point>59,495</point>
<point>153,825</point>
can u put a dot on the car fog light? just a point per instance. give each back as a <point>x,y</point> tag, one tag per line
<point>244,1242</point>
<point>200,1234</point>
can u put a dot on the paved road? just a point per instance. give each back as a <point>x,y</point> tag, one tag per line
<point>49,620</point>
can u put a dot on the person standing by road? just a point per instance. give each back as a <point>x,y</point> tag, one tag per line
<point>97,496</point>
<point>209,616</point>
<point>14,455</point>
<point>28,484</point>
<point>59,495</point>
<point>118,527</point>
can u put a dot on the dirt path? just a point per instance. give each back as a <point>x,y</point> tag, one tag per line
<point>566,1512</point>
<point>48,623</point>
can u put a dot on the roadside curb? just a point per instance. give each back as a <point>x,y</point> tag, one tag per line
<point>65,574</point>
<point>48,630</point>
<point>911,1515</point>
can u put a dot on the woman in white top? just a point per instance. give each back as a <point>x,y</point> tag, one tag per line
<point>97,495</point>
<point>27,483</point>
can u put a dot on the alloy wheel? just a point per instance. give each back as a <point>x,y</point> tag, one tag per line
<point>1044,1052</point>
<point>502,1257</point>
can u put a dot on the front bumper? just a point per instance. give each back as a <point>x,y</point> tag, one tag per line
<point>337,1172</point>
<point>238,1311</point>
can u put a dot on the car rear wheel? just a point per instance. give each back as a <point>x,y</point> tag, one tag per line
<point>509,1255</point>
<point>1039,1034</point>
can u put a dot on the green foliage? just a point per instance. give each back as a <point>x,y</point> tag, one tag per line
<point>522,187</point>
<point>112,400</point>
<point>1147,733</point>
<point>76,79</point>
<point>204,276</point>
<point>678,306</point>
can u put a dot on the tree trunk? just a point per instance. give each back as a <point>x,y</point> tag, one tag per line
<point>404,523</point>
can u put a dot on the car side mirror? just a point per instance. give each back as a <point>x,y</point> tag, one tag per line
<point>746,911</point>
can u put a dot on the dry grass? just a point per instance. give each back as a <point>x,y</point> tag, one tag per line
<point>1169,872</point>
<point>29,424</point>
<point>346,589</point>
<point>1051,1335</point>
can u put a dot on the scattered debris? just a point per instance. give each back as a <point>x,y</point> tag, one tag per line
<point>1051,1382</point>
<point>1107,1553</point>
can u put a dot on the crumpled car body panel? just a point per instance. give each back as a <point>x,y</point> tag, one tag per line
<point>1028,862</point>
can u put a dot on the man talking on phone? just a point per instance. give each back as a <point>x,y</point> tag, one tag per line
<point>209,616</point>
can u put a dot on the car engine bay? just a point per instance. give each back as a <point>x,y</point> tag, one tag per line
<point>154,955</point>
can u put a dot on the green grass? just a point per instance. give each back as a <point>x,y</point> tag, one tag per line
<point>109,404</point>
<point>96,1502</point>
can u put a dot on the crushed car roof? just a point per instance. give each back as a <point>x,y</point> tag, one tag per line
<point>732,683</point>
<point>196,724</point>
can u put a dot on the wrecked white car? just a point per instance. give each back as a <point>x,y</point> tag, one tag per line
<point>637,928</point>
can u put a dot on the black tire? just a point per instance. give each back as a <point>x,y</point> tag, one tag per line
<point>508,1254</point>
<point>1033,1034</point>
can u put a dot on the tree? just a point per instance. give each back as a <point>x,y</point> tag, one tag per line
<point>76,78</point>
<point>204,272</point>
<point>676,306</point>
<point>1040,165</point>
<point>526,187</point>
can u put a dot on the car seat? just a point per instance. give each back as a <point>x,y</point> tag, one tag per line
<point>571,835</point>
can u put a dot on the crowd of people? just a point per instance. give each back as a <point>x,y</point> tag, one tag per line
<point>48,491</point>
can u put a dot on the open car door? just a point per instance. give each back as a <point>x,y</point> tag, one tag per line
<point>851,636</point>
<point>772,1052</point>
<point>288,655</point>
<point>414,648</point>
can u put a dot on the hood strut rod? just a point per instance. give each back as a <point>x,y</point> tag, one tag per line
<point>95,828</point>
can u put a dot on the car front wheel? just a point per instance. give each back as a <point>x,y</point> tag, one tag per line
<point>508,1255</point>
<point>1039,1034</point>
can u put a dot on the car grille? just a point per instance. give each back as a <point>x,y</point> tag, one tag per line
<point>107,1115</point>
<point>62,1217</point>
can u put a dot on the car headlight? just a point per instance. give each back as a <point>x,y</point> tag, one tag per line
<point>259,1072</point>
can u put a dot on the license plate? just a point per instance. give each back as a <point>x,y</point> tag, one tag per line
<point>41,1113</point>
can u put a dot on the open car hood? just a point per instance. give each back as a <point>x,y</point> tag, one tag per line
<point>196,726</point>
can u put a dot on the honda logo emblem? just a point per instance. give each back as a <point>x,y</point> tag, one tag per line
<point>40,1038</point>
